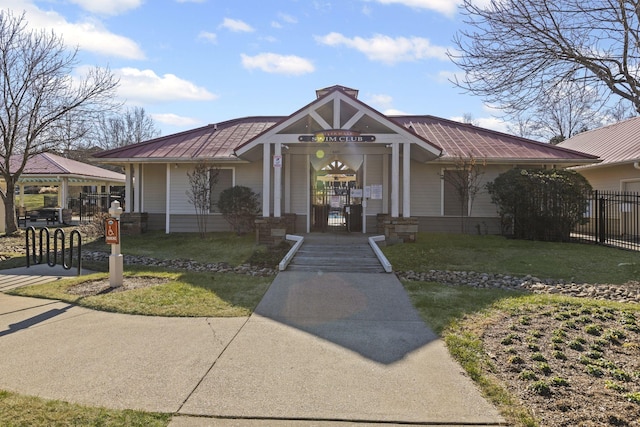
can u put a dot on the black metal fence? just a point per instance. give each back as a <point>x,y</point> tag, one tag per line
<point>613,219</point>
<point>89,205</point>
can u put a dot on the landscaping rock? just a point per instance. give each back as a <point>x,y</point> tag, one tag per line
<point>629,292</point>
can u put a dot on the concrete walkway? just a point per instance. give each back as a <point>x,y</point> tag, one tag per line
<point>330,349</point>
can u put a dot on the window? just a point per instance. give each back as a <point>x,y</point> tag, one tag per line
<point>225,180</point>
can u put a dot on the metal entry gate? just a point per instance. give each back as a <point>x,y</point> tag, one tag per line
<point>333,209</point>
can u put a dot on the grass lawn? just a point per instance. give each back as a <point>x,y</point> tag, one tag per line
<point>185,294</point>
<point>217,247</point>
<point>17,410</point>
<point>495,254</point>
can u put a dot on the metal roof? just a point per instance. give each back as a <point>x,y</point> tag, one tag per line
<point>463,140</point>
<point>51,165</point>
<point>218,142</point>
<point>614,144</point>
<point>214,141</point>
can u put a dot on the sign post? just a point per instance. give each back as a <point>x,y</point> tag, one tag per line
<point>112,237</point>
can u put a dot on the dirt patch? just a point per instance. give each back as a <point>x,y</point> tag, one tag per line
<point>570,366</point>
<point>102,286</point>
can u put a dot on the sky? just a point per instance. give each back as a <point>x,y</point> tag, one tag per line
<point>190,63</point>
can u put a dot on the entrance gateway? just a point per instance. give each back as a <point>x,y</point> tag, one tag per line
<point>336,199</point>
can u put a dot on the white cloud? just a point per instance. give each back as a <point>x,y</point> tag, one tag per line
<point>278,64</point>
<point>381,101</point>
<point>89,35</point>
<point>492,123</point>
<point>236,26</point>
<point>387,49</point>
<point>446,7</point>
<point>286,18</point>
<point>210,37</point>
<point>175,120</point>
<point>394,112</point>
<point>147,86</point>
<point>108,7</point>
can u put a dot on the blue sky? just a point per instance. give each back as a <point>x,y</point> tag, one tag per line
<point>189,63</point>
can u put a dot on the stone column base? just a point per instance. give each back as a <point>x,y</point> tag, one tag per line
<point>398,229</point>
<point>133,223</point>
<point>271,231</point>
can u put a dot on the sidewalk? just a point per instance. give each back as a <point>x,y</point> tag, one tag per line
<point>334,349</point>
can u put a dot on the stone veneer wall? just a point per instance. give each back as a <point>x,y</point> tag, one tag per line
<point>398,229</point>
<point>271,231</point>
<point>132,223</point>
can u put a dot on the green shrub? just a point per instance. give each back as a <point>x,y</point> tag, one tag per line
<point>541,388</point>
<point>594,371</point>
<point>633,397</point>
<point>528,375</point>
<point>558,381</point>
<point>239,206</point>
<point>540,204</point>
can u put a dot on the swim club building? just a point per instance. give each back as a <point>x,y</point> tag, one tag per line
<point>334,165</point>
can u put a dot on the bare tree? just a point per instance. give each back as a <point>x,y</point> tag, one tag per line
<point>569,109</point>
<point>131,127</point>
<point>38,93</point>
<point>516,52</point>
<point>465,179</point>
<point>202,181</point>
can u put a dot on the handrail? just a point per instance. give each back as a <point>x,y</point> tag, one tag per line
<point>289,256</point>
<point>376,249</point>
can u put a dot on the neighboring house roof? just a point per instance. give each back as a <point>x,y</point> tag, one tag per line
<point>618,143</point>
<point>220,142</point>
<point>48,165</point>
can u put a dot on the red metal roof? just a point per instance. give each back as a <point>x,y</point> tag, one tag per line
<point>616,143</point>
<point>52,164</point>
<point>218,142</point>
<point>215,141</point>
<point>466,140</point>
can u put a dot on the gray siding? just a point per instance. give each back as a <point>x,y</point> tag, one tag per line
<point>155,186</point>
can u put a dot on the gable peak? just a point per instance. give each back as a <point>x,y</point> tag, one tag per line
<point>346,90</point>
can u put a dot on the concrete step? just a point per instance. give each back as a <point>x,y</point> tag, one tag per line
<point>357,257</point>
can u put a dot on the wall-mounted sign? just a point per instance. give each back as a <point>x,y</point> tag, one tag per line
<point>356,192</point>
<point>337,135</point>
<point>376,192</point>
<point>277,161</point>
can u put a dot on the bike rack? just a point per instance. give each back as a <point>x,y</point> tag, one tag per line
<point>52,257</point>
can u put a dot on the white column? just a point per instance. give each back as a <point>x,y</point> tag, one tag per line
<point>365,201</point>
<point>395,179</point>
<point>137,181</point>
<point>21,185</point>
<point>385,184</point>
<point>406,180</point>
<point>277,184</point>
<point>308,183</point>
<point>128,188</point>
<point>63,195</point>
<point>167,208</point>
<point>286,164</point>
<point>266,179</point>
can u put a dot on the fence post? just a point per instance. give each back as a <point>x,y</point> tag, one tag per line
<point>602,219</point>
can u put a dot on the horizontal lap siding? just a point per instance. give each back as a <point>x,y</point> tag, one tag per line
<point>609,178</point>
<point>425,189</point>
<point>188,224</point>
<point>299,194</point>
<point>374,177</point>
<point>155,186</point>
